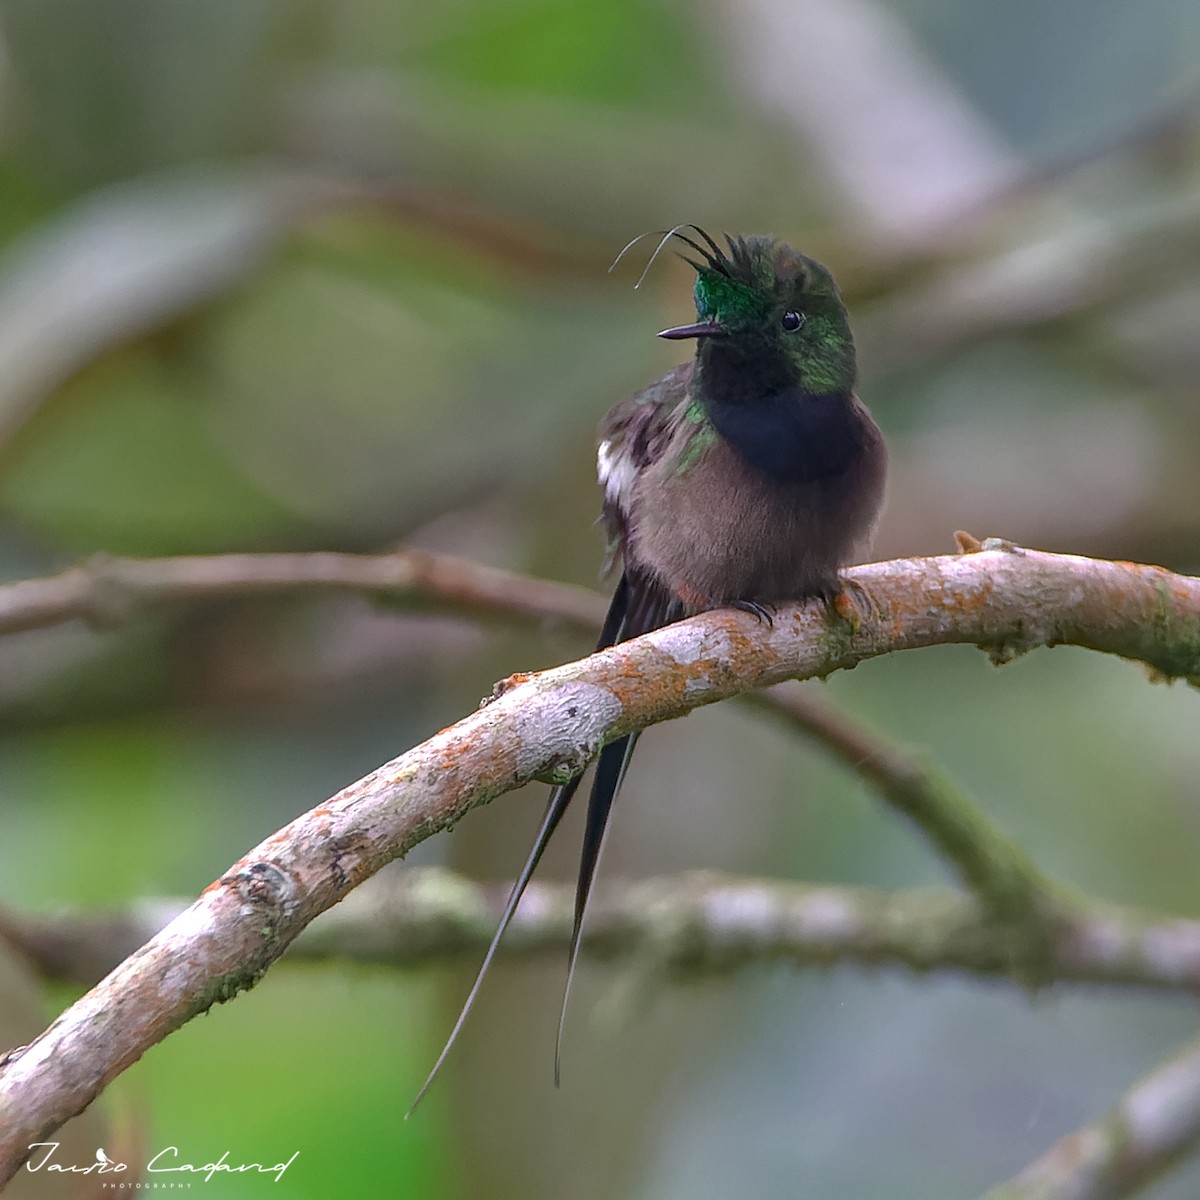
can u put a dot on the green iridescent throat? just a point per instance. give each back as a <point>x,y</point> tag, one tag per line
<point>699,439</point>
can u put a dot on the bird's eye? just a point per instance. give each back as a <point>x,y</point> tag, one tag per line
<point>791,321</point>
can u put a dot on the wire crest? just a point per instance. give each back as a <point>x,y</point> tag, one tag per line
<point>715,259</point>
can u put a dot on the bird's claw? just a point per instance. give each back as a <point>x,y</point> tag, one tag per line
<point>765,613</point>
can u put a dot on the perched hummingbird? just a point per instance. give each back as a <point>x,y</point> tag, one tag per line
<point>746,477</point>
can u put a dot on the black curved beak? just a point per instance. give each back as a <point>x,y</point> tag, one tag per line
<point>699,330</point>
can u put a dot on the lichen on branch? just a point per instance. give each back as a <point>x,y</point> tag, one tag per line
<point>1001,598</point>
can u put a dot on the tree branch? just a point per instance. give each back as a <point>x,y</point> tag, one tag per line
<point>1153,1124</point>
<point>546,726</point>
<point>108,591</point>
<point>699,923</point>
<point>1011,888</point>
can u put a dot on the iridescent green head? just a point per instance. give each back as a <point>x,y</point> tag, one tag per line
<point>764,302</point>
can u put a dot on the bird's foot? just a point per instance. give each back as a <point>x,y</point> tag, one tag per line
<point>758,608</point>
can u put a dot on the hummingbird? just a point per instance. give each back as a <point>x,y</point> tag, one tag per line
<point>744,478</point>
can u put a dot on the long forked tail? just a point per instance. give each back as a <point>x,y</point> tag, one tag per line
<point>610,773</point>
<point>648,606</point>
<point>637,607</point>
<point>560,797</point>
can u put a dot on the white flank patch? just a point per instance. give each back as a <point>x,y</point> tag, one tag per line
<point>616,473</point>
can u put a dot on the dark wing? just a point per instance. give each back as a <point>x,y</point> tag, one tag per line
<point>634,434</point>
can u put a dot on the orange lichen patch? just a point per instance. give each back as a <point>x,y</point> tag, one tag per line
<point>1181,588</point>
<point>506,685</point>
<point>667,686</point>
<point>455,769</point>
<point>846,607</point>
<point>282,839</point>
<point>452,757</point>
<point>970,601</point>
<point>663,692</point>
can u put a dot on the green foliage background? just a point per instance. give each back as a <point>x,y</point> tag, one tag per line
<point>311,274</point>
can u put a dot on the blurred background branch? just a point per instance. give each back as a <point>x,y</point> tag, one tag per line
<point>1134,1143</point>
<point>279,276</point>
<point>106,591</point>
<point>674,929</point>
<point>985,859</point>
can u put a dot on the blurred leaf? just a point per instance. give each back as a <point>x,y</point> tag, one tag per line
<point>114,89</point>
<point>127,463</point>
<point>337,1096</point>
<point>145,793</point>
<point>630,53</point>
<point>127,260</point>
<point>370,383</point>
<point>25,200</point>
